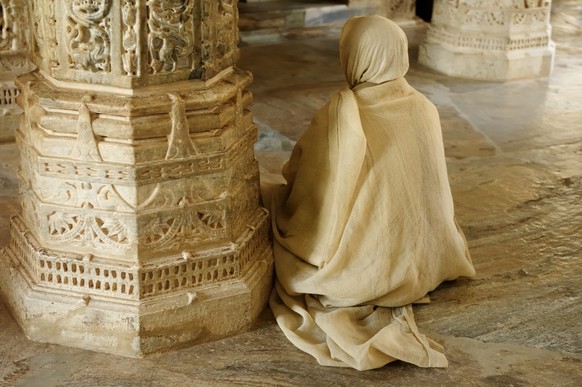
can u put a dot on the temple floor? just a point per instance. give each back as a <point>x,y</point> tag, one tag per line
<point>514,153</point>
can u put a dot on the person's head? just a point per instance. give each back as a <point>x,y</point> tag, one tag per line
<point>373,49</point>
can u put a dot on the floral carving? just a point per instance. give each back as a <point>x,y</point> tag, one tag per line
<point>62,224</point>
<point>183,227</point>
<point>87,231</point>
<point>114,229</point>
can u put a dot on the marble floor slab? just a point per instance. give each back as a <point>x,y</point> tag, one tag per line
<point>514,153</point>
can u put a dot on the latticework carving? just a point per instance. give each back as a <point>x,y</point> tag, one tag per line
<point>97,276</point>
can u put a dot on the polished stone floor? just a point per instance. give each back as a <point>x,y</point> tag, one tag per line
<point>515,163</point>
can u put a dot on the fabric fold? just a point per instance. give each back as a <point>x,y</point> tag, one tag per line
<point>365,225</point>
<point>361,337</point>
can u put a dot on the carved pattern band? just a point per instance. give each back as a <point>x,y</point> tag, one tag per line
<point>112,173</point>
<point>88,275</point>
<point>464,41</point>
<point>490,14</point>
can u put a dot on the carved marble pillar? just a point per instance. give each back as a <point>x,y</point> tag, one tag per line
<point>13,62</point>
<point>494,40</point>
<point>141,228</point>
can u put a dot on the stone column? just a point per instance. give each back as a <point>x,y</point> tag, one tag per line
<point>494,40</point>
<point>13,62</point>
<point>141,228</point>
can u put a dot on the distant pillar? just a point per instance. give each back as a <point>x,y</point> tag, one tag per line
<point>141,228</point>
<point>13,62</point>
<point>489,40</point>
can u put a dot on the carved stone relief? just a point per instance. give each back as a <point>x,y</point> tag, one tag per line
<point>141,196</point>
<point>489,40</point>
<point>131,43</point>
<point>170,34</point>
<point>88,38</point>
<point>13,62</point>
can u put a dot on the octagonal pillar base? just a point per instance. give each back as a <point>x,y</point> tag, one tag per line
<point>51,311</point>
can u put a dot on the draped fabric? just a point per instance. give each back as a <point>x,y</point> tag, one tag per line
<point>365,225</point>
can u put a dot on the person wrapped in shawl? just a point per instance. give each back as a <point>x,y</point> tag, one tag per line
<point>365,225</point>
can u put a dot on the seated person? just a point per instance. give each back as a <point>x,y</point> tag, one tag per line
<point>365,225</point>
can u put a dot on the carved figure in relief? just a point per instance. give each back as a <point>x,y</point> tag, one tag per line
<point>130,56</point>
<point>171,33</point>
<point>365,225</point>
<point>88,34</point>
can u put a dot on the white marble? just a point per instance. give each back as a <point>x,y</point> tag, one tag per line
<point>141,228</point>
<point>490,40</point>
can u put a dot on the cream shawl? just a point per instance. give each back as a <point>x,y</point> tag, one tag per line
<point>365,225</point>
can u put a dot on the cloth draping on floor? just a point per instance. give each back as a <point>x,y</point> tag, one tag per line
<point>365,225</point>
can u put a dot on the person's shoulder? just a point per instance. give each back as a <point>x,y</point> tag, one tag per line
<point>421,98</point>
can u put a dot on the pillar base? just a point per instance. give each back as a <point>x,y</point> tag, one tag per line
<point>497,66</point>
<point>49,308</point>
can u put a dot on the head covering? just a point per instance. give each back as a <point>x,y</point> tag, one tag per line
<point>373,49</point>
<point>365,225</point>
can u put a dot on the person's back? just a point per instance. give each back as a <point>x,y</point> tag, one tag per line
<point>365,225</point>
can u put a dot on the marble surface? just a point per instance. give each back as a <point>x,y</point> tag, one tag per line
<point>515,162</point>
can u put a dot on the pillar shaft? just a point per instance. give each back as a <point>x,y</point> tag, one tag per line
<point>139,187</point>
<point>489,40</point>
<point>13,62</point>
